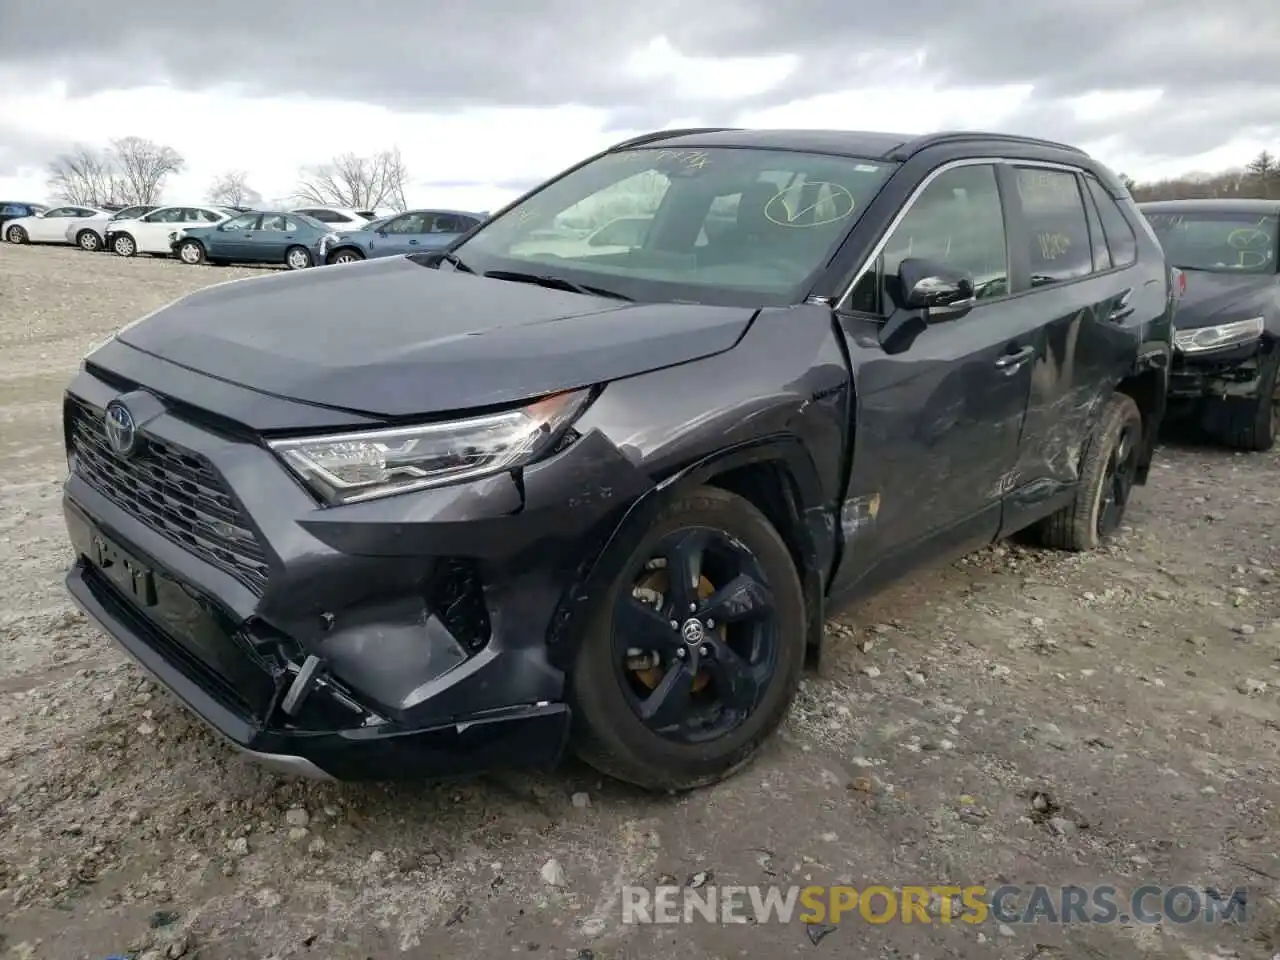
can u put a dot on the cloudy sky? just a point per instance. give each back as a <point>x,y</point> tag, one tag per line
<point>487,97</point>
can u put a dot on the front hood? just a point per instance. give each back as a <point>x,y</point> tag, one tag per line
<point>392,338</point>
<point>1217,297</point>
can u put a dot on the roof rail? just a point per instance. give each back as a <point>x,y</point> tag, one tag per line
<point>916,145</point>
<point>666,134</point>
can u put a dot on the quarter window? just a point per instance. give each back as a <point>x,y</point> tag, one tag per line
<point>1059,232</point>
<point>1115,226</point>
<point>956,221</point>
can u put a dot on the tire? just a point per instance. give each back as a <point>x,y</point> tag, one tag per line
<point>608,732</point>
<point>191,252</point>
<point>298,258</point>
<point>1104,478</point>
<point>16,235</point>
<point>124,245</point>
<point>345,255</point>
<point>89,240</point>
<point>1251,423</point>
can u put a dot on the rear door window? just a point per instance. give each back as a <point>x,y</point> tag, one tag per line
<point>1058,229</point>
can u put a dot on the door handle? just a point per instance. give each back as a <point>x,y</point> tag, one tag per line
<point>1121,308</point>
<point>1010,362</point>
<point>413,243</point>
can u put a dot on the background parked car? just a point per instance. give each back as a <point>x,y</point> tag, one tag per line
<point>89,233</point>
<point>339,218</point>
<point>12,210</point>
<point>47,227</point>
<point>260,237</point>
<point>412,232</point>
<point>150,233</point>
<point>1226,362</point>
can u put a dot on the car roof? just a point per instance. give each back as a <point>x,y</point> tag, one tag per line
<point>863,144</point>
<point>1223,205</point>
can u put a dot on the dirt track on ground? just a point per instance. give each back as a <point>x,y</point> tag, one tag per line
<point>1022,716</point>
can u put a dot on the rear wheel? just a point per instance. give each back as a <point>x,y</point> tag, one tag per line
<point>191,252</point>
<point>16,235</point>
<point>691,660</point>
<point>1106,480</point>
<point>124,245</point>
<point>297,258</point>
<point>88,240</point>
<point>346,255</point>
<point>1251,423</point>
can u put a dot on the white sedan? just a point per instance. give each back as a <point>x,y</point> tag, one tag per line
<point>47,227</point>
<point>88,233</point>
<point>340,219</point>
<point>150,233</point>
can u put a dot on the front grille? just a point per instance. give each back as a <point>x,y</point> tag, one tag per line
<point>175,492</point>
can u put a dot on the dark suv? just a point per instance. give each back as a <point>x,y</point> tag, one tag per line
<point>1226,362</point>
<point>428,514</point>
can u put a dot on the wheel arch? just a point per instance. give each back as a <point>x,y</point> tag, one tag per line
<point>1149,390</point>
<point>775,474</point>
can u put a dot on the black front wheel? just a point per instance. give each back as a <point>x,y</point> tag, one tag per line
<point>345,255</point>
<point>1250,423</point>
<point>691,660</point>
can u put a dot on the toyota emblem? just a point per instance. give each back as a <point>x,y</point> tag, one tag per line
<point>122,434</point>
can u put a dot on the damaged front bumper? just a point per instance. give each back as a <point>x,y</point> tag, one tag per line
<point>410,637</point>
<point>1217,374</point>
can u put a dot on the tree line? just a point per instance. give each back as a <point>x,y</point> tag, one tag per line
<point>134,170</point>
<point>1257,179</point>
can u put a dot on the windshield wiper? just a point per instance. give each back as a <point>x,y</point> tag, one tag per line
<point>454,259</point>
<point>555,283</point>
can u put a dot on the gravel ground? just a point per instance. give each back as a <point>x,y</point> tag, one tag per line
<point>1020,716</point>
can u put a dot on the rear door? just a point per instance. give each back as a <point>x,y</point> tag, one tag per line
<point>939,422</point>
<point>1082,293</point>
<point>275,235</point>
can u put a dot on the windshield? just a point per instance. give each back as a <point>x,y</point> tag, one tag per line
<point>1218,241</point>
<point>720,225</point>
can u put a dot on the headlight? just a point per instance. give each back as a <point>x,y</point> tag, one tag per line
<point>349,467</point>
<point>1223,335</point>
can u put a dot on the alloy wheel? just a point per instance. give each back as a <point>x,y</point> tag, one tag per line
<point>89,241</point>
<point>190,253</point>
<point>696,638</point>
<point>1117,482</point>
<point>124,246</point>
<point>298,259</point>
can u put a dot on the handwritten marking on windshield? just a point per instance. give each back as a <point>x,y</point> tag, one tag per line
<point>693,159</point>
<point>838,201</point>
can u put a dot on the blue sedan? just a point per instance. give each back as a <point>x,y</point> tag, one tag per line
<point>293,239</point>
<point>416,231</point>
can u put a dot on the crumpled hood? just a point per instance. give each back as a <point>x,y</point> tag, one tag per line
<point>392,338</point>
<point>1220,297</point>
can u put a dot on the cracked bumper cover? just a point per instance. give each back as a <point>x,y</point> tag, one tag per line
<point>1230,371</point>
<point>422,675</point>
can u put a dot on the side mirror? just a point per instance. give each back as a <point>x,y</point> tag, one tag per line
<point>926,292</point>
<point>941,291</point>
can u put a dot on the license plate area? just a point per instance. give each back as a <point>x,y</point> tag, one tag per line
<point>123,569</point>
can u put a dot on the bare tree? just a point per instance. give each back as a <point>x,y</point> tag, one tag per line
<point>362,183</point>
<point>143,167</point>
<point>232,189</point>
<point>1265,170</point>
<point>85,176</point>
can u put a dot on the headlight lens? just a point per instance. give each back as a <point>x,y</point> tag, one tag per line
<point>350,467</point>
<point>1223,335</point>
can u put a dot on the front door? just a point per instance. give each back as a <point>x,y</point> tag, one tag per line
<point>938,423</point>
<point>401,235</point>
